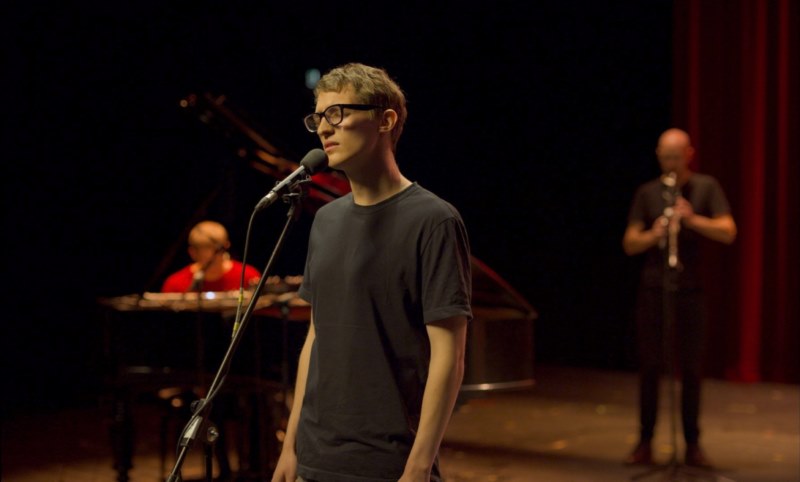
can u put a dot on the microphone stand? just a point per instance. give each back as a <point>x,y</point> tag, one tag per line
<point>211,433</point>
<point>199,423</point>
<point>674,470</point>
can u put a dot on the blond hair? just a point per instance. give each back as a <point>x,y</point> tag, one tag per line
<point>372,85</point>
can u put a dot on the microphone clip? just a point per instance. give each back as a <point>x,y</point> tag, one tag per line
<point>296,190</point>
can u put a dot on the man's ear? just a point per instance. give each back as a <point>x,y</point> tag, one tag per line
<point>388,120</point>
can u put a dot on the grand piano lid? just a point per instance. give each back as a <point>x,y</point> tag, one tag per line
<point>494,298</point>
<point>218,113</point>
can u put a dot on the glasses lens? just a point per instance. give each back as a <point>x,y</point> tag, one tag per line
<point>333,114</point>
<point>312,122</point>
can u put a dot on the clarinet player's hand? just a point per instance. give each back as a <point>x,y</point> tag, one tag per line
<point>659,227</point>
<point>684,210</point>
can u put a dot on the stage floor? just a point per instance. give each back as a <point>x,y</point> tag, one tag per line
<point>575,425</point>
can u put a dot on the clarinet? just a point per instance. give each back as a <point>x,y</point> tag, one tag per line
<point>671,222</point>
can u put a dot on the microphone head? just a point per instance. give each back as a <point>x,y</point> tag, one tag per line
<point>315,161</point>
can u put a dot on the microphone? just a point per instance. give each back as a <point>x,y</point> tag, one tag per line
<point>315,161</point>
<point>197,280</point>
<point>199,276</point>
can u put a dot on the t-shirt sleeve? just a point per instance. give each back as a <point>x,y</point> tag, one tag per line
<point>177,282</point>
<point>445,269</point>
<point>718,202</point>
<point>637,210</point>
<point>169,286</point>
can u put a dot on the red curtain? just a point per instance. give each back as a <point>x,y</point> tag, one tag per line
<point>736,91</point>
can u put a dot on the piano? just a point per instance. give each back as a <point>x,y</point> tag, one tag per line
<point>167,348</point>
<point>170,344</point>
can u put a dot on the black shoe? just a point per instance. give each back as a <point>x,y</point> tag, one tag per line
<point>696,458</point>
<point>641,455</point>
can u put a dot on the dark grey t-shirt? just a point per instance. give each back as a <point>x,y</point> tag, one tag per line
<point>706,197</point>
<point>375,275</point>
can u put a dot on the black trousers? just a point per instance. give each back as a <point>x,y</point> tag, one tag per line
<point>687,312</point>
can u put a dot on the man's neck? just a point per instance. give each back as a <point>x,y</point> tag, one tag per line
<point>377,181</point>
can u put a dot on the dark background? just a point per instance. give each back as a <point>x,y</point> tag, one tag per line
<point>537,120</point>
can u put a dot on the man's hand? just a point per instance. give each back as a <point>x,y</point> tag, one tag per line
<point>286,468</point>
<point>659,228</point>
<point>684,210</point>
<point>721,228</point>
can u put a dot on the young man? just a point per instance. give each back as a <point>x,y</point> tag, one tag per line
<point>388,279</point>
<point>699,209</point>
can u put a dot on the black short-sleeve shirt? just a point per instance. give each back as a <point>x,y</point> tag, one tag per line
<point>375,276</point>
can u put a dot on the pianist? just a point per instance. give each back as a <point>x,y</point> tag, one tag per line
<point>212,268</point>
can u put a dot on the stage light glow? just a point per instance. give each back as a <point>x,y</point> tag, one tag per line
<point>312,77</point>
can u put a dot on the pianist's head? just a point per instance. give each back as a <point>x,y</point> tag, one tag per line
<point>206,240</point>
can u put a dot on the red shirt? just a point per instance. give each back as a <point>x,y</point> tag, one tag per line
<point>180,281</point>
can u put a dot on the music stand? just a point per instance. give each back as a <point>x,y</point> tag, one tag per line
<point>673,470</point>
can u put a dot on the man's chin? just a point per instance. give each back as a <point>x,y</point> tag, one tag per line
<point>337,162</point>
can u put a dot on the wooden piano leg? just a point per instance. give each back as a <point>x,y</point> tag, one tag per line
<point>122,435</point>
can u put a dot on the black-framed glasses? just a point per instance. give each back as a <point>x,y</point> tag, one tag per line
<point>334,114</point>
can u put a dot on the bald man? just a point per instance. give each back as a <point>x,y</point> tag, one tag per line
<point>212,268</point>
<point>668,219</point>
